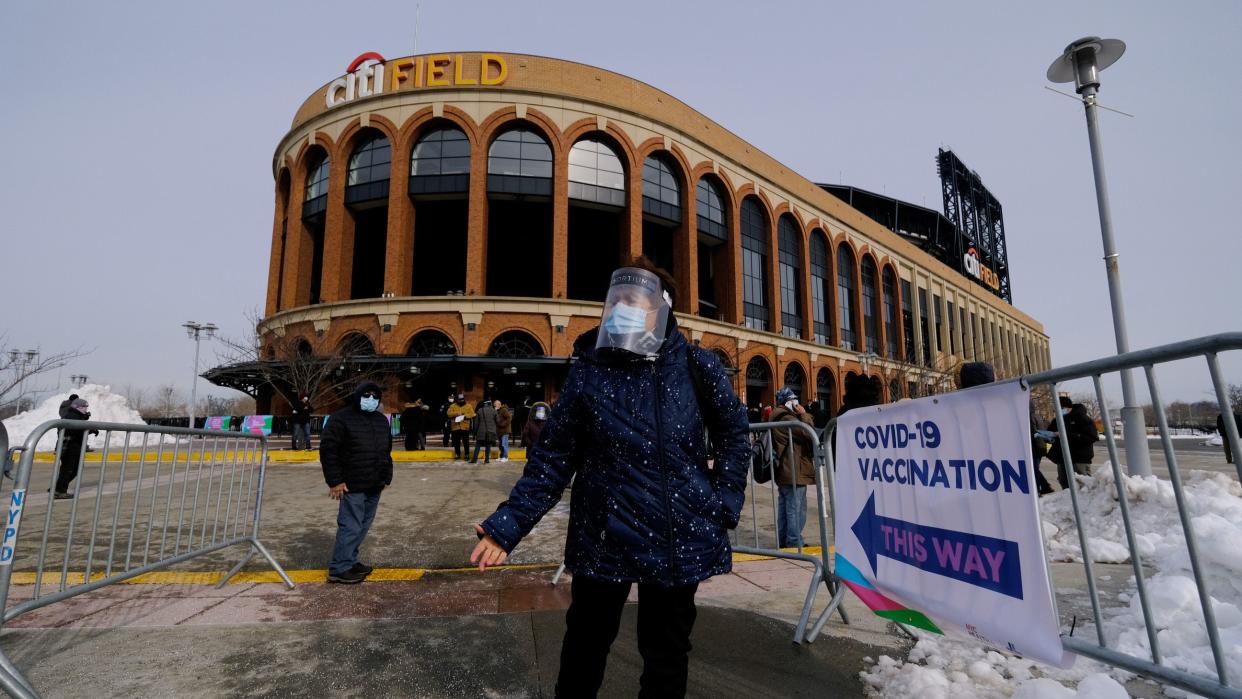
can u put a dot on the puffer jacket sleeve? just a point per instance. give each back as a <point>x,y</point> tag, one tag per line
<point>726,420</point>
<point>331,445</point>
<point>549,466</point>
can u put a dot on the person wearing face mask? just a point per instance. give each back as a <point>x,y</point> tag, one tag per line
<point>791,485</point>
<point>71,449</point>
<point>461,417</point>
<point>356,452</point>
<point>1080,434</point>
<point>629,429</point>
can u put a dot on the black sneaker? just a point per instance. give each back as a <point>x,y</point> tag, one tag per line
<point>62,496</point>
<point>361,568</point>
<point>349,577</point>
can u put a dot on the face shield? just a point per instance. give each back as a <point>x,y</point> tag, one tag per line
<point>635,313</point>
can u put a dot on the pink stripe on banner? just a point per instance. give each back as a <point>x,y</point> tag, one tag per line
<point>874,600</point>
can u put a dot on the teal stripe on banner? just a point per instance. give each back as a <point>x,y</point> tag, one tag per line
<point>847,572</point>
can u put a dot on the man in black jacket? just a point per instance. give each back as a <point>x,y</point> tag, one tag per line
<point>356,453</point>
<point>300,419</point>
<point>1220,427</point>
<point>1081,436</point>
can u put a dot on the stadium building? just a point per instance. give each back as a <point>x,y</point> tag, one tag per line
<point>449,223</point>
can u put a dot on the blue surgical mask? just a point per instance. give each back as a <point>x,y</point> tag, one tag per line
<point>625,319</point>
<point>1065,411</point>
<point>369,404</point>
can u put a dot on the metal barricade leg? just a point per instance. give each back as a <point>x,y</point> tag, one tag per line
<point>559,572</point>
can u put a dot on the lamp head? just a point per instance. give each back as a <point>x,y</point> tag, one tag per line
<point>1083,60</point>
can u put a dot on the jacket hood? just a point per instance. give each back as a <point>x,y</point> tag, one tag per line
<point>363,388</point>
<point>584,346</point>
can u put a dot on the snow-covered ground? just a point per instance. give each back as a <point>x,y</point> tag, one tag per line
<point>939,667</point>
<point>105,406</point>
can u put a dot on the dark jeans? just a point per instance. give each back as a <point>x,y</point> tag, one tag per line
<point>353,521</point>
<point>482,445</point>
<point>791,515</point>
<point>301,435</point>
<point>1063,479</point>
<point>70,455</point>
<point>415,440</point>
<point>665,618</point>
<point>461,444</point>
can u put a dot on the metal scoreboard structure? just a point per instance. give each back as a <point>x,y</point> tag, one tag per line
<point>980,225</point>
<point>969,236</point>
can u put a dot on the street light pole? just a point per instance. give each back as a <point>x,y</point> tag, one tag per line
<point>1081,64</point>
<point>193,330</point>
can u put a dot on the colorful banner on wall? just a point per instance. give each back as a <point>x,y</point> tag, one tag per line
<point>257,424</point>
<point>218,422</point>
<point>938,525</point>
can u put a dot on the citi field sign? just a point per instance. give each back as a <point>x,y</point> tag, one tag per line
<point>975,268</point>
<point>370,74</point>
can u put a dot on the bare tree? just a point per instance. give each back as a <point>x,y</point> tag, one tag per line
<point>225,405</point>
<point>292,365</point>
<point>167,402</point>
<point>19,367</point>
<point>136,397</point>
<point>1235,397</point>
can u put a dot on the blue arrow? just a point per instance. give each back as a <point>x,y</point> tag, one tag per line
<point>979,560</point>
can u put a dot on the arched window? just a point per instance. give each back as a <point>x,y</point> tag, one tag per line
<point>315,200</point>
<point>821,287</point>
<point>754,265</point>
<point>430,343</point>
<point>304,348</point>
<point>440,162</point>
<point>890,312</point>
<point>795,378</point>
<point>520,162</point>
<point>367,178</point>
<point>825,389</point>
<point>870,305</point>
<point>723,357</point>
<point>514,344</point>
<point>846,305</point>
<point>758,382</point>
<point>357,345</point>
<point>709,210</point>
<point>790,263</point>
<point>661,191</point>
<point>595,173</point>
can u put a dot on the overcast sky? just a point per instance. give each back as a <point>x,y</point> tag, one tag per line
<point>137,193</point>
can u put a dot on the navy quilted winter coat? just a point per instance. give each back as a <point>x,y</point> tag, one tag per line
<point>645,507</point>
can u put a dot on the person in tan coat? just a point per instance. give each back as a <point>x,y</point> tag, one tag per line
<point>461,417</point>
<point>791,486</point>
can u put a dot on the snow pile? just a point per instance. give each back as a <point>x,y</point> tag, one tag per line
<point>941,668</point>
<point>105,406</point>
<point>1214,501</point>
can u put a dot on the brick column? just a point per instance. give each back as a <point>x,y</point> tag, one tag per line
<point>560,225</point>
<point>476,224</point>
<point>399,251</point>
<point>338,237</point>
<point>686,256</point>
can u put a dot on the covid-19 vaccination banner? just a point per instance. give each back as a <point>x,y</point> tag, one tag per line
<point>218,422</point>
<point>937,523</point>
<point>257,424</point>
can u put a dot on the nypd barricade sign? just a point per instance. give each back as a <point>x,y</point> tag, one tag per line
<point>12,520</point>
<point>937,523</point>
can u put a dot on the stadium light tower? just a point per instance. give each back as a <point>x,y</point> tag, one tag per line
<point>1081,64</point>
<point>193,330</point>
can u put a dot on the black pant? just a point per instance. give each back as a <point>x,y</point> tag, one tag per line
<point>70,455</point>
<point>415,440</point>
<point>665,618</point>
<point>461,444</point>
<point>1228,450</point>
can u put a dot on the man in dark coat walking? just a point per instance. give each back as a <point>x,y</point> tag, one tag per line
<point>74,440</point>
<point>629,428</point>
<point>1081,436</point>
<point>790,483</point>
<point>356,453</point>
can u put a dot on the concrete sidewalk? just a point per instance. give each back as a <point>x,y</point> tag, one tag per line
<point>451,634</point>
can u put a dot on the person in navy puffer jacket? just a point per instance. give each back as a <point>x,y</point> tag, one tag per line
<point>646,507</point>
